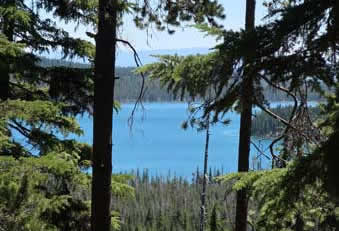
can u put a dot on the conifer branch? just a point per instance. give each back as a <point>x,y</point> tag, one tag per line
<point>21,87</point>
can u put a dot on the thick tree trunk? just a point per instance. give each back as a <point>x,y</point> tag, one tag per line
<point>103,116</point>
<point>204,182</point>
<point>245,126</point>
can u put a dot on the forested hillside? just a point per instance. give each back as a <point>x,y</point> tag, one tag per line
<point>128,86</point>
<point>265,126</point>
<point>171,203</point>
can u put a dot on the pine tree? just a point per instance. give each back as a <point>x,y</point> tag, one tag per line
<point>31,91</point>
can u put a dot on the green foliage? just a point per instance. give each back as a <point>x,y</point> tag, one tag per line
<point>37,193</point>
<point>210,30</point>
<point>218,74</point>
<point>196,77</point>
<point>285,197</point>
<point>9,49</point>
<point>274,50</point>
<point>280,199</point>
<point>40,102</point>
<point>120,187</point>
<point>50,193</point>
<point>47,190</point>
<point>191,75</point>
<point>308,48</point>
<point>40,113</point>
<point>174,13</point>
<point>44,187</point>
<point>39,122</point>
<point>15,14</point>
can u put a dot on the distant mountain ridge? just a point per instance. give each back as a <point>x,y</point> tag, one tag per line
<point>125,57</point>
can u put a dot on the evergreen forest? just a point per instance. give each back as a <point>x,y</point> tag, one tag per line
<point>50,181</point>
<point>127,87</point>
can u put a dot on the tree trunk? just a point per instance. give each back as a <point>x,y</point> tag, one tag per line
<point>4,81</point>
<point>5,67</point>
<point>245,126</point>
<point>204,182</point>
<point>299,223</point>
<point>103,116</point>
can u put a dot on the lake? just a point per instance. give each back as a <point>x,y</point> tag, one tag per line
<point>158,143</point>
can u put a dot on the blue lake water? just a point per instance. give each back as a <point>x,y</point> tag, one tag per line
<point>158,143</point>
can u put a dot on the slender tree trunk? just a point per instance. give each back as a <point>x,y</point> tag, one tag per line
<point>103,116</point>
<point>5,67</point>
<point>204,182</point>
<point>299,223</point>
<point>4,81</point>
<point>245,126</point>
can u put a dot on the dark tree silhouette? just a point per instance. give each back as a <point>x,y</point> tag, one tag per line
<point>246,99</point>
<point>102,116</point>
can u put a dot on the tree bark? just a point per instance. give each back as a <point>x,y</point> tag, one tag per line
<point>103,116</point>
<point>245,125</point>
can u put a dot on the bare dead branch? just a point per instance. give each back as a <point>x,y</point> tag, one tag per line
<point>259,150</point>
<point>269,112</point>
<point>21,131</point>
<point>138,62</point>
<point>292,116</point>
<point>280,88</point>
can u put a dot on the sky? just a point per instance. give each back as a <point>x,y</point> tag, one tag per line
<point>184,37</point>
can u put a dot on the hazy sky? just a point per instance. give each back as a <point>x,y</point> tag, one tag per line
<point>184,37</point>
